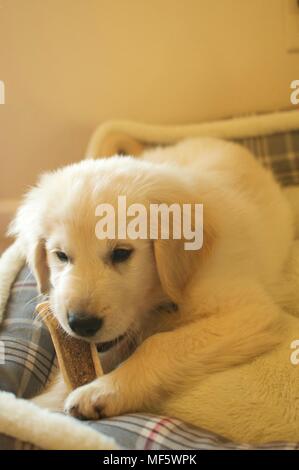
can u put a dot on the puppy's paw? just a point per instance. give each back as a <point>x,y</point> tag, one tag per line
<point>96,400</point>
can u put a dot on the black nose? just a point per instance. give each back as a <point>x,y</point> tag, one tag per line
<point>84,325</point>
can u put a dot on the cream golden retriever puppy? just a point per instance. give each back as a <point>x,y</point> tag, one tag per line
<point>211,346</point>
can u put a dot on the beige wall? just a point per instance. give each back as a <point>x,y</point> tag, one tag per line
<point>71,64</point>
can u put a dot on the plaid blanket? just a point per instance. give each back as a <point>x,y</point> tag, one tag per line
<point>30,357</point>
<point>279,153</point>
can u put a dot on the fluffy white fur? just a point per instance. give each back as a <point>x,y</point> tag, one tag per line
<point>213,362</point>
<point>28,423</point>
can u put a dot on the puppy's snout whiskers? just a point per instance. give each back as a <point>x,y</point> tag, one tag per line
<point>36,299</point>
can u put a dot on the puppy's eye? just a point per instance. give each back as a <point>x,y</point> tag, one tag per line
<point>119,255</point>
<point>62,256</point>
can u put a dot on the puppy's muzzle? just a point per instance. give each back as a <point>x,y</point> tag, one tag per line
<point>83,324</point>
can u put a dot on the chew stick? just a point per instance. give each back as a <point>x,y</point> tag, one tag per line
<point>78,360</point>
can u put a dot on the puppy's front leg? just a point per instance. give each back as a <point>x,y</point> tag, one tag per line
<point>167,360</point>
<point>136,381</point>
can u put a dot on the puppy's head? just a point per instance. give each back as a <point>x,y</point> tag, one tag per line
<point>102,289</point>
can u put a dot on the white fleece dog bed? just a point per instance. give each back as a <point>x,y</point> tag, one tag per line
<point>25,421</point>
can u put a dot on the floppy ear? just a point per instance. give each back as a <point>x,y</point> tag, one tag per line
<point>40,266</point>
<point>175,264</point>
